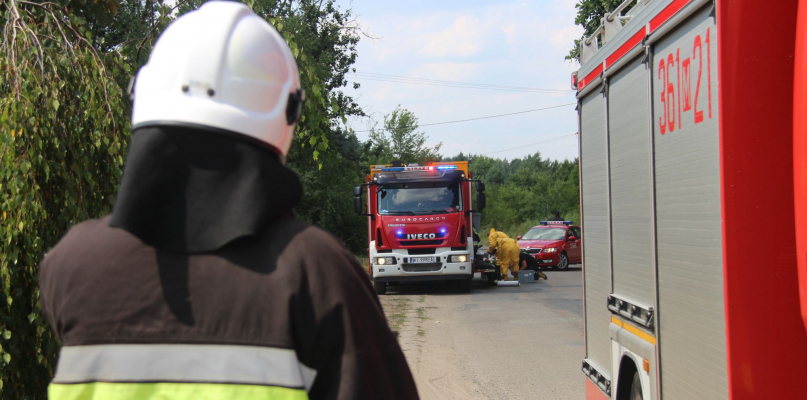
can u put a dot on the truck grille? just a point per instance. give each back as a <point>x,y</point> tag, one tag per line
<point>422,242</point>
<point>423,251</point>
<point>422,267</point>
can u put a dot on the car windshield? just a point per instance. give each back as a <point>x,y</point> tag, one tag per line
<point>419,198</point>
<point>544,234</point>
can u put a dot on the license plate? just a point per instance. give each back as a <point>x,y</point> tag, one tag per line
<point>422,260</point>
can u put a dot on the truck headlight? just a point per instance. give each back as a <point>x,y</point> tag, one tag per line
<point>459,258</point>
<point>550,250</point>
<point>385,260</point>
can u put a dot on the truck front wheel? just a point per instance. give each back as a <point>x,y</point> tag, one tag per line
<point>380,287</point>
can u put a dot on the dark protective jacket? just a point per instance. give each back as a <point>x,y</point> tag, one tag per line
<point>285,313</point>
<point>532,263</point>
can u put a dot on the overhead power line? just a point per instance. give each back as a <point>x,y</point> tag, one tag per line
<point>489,116</point>
<point>455,84</point>
<point>532,144</point>
<point>368,76</point>
<point>363,79</point>
<point>406,78</point>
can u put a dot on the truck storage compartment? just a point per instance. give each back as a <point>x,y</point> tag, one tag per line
<point>687,175</point>
<point>596,245</point>
<point>629,156</point>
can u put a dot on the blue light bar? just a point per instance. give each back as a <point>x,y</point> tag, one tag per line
<point>395,169</point>
<point>556,222</point>
<point>446,167</point>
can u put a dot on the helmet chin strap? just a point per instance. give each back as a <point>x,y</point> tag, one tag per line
<point>294,107</point>
<point>130,89</point>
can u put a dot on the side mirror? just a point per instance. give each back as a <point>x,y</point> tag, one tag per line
<point>480,187</point>
<point>357,207</point>
<point>572,238</point>
<point>480,201</point>
<point>518,237</point>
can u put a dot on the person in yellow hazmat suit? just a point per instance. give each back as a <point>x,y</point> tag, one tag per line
<point>506,250</point>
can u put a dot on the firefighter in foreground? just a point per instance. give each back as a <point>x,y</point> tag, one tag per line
<point>201,285</point>
<point>506,250</point>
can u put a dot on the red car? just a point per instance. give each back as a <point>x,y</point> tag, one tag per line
<point>553,244</point>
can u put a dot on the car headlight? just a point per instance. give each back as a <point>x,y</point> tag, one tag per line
<point>459,258</point>
<point>550,250</point>
<point>385,260</point>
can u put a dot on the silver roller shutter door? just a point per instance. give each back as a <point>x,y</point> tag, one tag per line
<point>595,229</point>
<point>687,174</point>
<point>630,184</point>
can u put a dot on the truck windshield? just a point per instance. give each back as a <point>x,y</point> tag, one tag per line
<point>544,234</point>
<point>419,198</point>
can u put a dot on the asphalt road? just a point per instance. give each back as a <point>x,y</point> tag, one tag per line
<point>521,342</point>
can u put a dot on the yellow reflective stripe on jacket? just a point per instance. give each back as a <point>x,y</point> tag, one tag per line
<point>202,363</point>
<point>172,391</point>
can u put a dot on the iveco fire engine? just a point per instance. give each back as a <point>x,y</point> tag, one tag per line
<point>420,222</point>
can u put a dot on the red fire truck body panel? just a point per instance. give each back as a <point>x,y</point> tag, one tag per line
<point>738,71</point>
<point>765,335</point>
<point>800,152</point>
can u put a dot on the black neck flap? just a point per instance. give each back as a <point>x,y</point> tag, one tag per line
<point>192,190</point>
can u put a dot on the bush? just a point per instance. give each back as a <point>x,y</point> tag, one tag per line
<point>63,139</point>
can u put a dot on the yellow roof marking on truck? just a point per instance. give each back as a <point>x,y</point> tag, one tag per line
<point>634,330</point>
<point>461,166</point>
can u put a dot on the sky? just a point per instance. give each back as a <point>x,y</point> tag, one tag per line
<point>517,44</point>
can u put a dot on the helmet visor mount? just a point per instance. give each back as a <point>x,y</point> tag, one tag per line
<point>294,107</point>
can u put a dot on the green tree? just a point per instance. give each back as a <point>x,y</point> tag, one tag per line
<point>328,195</point>
<point>589,16</point>
<point>523,191</point>
<point>398,139</point>
<point>64,129</point>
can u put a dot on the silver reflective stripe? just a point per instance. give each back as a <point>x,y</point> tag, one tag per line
<point>183,363</point>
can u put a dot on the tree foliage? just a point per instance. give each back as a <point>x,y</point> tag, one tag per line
<point>398,139</point>
<point>64,132</point>
<point>523,191</point>
<point>589,16</point>
<point>327,200</point>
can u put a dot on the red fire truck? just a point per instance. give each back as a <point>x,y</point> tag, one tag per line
<point>420,222</point>
<point>686,130</point>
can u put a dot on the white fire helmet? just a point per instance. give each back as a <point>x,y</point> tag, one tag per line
<point>222,66</point>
